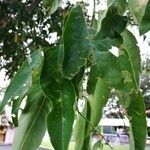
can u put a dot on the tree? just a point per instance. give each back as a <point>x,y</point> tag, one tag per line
<point>51,79</point>
<point>25,26</point>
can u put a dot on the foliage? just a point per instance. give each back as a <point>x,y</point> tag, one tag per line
<point>26,26</point>
<point>51,80</point>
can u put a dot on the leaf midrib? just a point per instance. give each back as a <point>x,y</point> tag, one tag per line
<point>32,124</point>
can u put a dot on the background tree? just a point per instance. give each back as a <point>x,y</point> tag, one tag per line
<point>26,26</point>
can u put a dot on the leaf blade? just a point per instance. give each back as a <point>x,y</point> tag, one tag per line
<point>79,130</point>
<point>135,109</point>
<point>61,119</point>
<point>144,26</point>
<point>97,103</point>
<point>76,52</point>
<point>31,122</point>
<point>22,80</point>
<point>130,45</point>
<point>33,118</point>
<point>51,5</point>
<point>51,75</point>
<point>137,8</point>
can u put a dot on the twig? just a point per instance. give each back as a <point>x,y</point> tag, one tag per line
<point>94,128</point>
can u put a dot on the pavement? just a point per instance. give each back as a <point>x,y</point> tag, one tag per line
<point>9,147</point>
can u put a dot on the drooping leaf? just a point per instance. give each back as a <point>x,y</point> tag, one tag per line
<point>137,8</point>
<point>32,122</point>
<point>120,4</point>
<point>106,66</point>
<point>76,44</point>
<point>61,119</point>
<point>21,83</point>
<point>112,25</point>
<point>98,47</point>
<point>97,102</point>
<point>87,139</point>
<point>35,90</point>
<point>79,129</point>
<point>145,25</point>
<point>51,5</point>
<point>127,72</point>
<point>130,45</point>
<point>136,114</point>
<point>129,61</point>
<point>52,72</point>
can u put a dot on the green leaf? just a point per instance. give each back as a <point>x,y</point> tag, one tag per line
<point>76,44</point>
<point>98,46</point>
<point>120,4</point>
<point>137,117</point>
<point>77,81</point>
<point>87,139</point>
<point>51,75</point>
<point>97,102</point>
<point>32,123</point>
<point>121,73</point>
<point>130,45</point>
<point>110,2</point>
<point>137,8</point>
<point>15,108</point>
<point>126,68</point>
<point>51,5</point>
<point>112,25</point>
<point>21,83</point>
<point>92,32</point>
<point>145,22</point>
<point>79,130</point>
<point>60,120</point>
<point>110,71</point>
